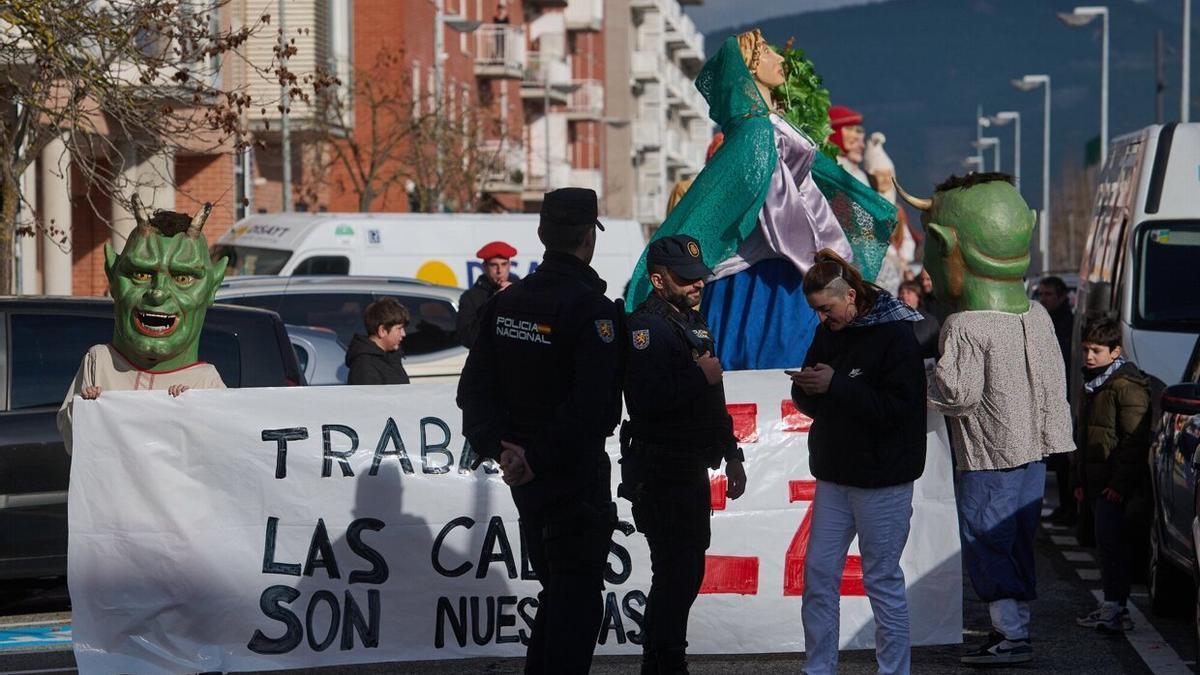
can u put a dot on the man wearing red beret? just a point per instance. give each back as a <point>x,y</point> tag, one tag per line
<point>495,256</point>
<point>850,138</point>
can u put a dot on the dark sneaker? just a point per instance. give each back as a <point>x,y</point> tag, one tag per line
<point>1107,619</point>
<point>999,650</point>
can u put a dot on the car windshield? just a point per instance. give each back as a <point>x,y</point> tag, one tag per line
<point>251,260</point>
<point>1168,276</point>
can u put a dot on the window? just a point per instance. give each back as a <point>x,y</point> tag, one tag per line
<point>432,325</point>
<point>223,351</point>
<point>323,264</point>
<point>250,260</point>
<point>45,357</point>
<point>340,312</point>
<point>302,356</point>
<point>1168,276</point>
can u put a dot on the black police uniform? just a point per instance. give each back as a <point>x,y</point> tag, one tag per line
<point>544,373</point>
<point>678,428</point>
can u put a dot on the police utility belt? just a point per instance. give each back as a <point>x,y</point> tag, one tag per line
<point>648,463</point>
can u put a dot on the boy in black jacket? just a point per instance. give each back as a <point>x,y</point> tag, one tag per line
<point>375,358</point>
<point>1109,468</point>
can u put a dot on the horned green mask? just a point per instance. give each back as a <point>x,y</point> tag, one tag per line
<point>162,285</point>
<point>977,242</point>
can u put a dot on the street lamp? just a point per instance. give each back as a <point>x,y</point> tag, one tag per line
<point>993,143</point>
<point>564,87</point>
<point>1184,79</point>
<point>1002,118</point>
<point>1029,83</point>
<point>1082,16</point>
<point>979,125</point>
<point>609,123</point>
<point>441,22</point>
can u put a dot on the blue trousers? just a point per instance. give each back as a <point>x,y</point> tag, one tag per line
<point>998,514</point>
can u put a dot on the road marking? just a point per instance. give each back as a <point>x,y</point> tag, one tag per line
<point>1078,556</point>
<point>1156,653</point>
<point>1060,540</point>
<point>1088,574</point>
<point>27,624</point>
<point>57,634</point>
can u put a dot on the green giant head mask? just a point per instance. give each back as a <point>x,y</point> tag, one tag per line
<point>978,230</point>
<point>162,285</point>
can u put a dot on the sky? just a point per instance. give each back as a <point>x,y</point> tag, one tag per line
<point>715,14</point>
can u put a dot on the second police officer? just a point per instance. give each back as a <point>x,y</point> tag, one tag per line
<point>678,429</point>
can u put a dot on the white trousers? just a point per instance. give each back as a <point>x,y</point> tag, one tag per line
<point>880,517</point>
<point>1010,618</point>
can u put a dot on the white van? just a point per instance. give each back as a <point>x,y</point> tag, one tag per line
<point>1141,264</point>
<point>436,248</point>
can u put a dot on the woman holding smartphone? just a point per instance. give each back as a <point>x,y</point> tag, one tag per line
<point>863,385</point>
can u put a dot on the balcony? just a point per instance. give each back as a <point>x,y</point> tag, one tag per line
<point>675,147</point>
<point>585,15</point>
<point>646,66</point>
<point>500,51</point>
<point>646,135</point>
<point>504,163</point>
<point>536,184</point>
<point>547,78</point>
<point>586,100</point>
<point>650,209</point>
<point>588,178</point>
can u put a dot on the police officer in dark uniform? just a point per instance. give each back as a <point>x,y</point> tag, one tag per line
<point>540,393</point>
<point>678,429</point>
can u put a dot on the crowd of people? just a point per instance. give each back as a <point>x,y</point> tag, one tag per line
<point>963,339</point>
<point>553,363</point>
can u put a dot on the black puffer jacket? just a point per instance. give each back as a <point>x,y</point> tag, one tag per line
<point>1113,440</point>
<point>869,429</point>
<point>371,365</point>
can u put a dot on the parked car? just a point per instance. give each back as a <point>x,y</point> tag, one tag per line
<point>431,349</point>
<point>322,355</point>
<point>42,341</point>
<point>1175,533</point>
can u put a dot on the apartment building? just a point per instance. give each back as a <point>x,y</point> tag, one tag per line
<point>84,216</point>
<point>593,93</point>
<point>654,55</point>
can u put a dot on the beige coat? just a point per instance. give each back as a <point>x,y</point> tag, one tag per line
<point>103,366</point>
<point>1001,381</point>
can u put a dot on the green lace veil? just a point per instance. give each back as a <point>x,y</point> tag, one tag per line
<point>721,208</point>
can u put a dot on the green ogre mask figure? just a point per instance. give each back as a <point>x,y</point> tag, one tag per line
<point>978,230</point>
<point>162,285</point>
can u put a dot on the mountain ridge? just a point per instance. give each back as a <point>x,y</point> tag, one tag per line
<point>923,95</point>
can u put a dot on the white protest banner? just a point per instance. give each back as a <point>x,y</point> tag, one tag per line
<point>279,528</point>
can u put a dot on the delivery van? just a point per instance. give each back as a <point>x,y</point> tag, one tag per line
<point>436,248</point>
<point>1141,264</point>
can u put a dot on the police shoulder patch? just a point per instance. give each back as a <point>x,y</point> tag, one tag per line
<point>604,328</point>
<point>641,339</point>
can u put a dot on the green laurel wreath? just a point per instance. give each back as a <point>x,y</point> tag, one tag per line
<point>803,98</point>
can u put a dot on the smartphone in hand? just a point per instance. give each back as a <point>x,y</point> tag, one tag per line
<point>791,373</point>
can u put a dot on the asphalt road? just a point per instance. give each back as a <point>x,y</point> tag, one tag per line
<point>1067,577</point>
